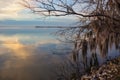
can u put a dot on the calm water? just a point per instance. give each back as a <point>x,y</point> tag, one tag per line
<point>29,54</point>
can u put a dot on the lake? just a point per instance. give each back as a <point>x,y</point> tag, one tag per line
<point>32,54</point>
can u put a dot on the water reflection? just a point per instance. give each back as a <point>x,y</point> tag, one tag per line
<point>25,62</point>
<point>19,50</point>
<point>24,58</point>
<point>31,56</point>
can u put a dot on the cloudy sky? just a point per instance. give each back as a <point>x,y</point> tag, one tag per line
<point>12,9</point>
<point>12,13</point>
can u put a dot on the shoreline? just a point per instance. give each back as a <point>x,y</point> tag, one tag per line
<point>107,71</point>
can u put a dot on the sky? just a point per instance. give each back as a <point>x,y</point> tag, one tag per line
<point>14,14</point>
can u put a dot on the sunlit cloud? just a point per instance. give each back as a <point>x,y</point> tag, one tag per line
<point>12,9</point>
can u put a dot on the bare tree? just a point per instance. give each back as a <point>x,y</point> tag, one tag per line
<point>101,21</point>
<point>99,27</point>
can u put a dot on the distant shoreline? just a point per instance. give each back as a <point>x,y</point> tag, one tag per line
<point>54,27</point>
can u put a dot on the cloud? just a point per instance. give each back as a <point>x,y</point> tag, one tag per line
<point>11,9</point>
<point>26,63</point>
<point>10,6</point>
